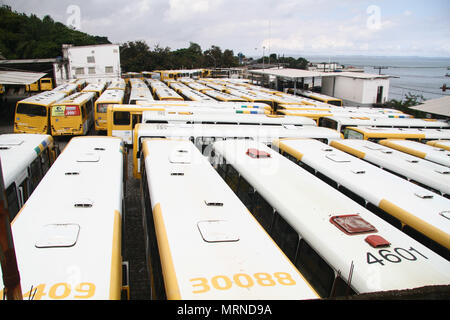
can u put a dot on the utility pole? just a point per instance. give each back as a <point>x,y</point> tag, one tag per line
<point>10,271</point>
<point>379,68</point>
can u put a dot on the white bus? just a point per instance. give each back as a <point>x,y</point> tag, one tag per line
<point>167,94</point>
<point>25,159</point>
<point>194,95</point>
<point>229,254</point>
<point>109,97</point>
<point>225,118</point>
<point>339,123</point>
<point>121,119</point>
<point>140,95</point>
<point>419,212</point>
<point>204,134</point>
<point>377,133</point>
<point>421,150</point>
<point>428,174</point>
<point>443,144</point>
<point>341,247</point>
<point>68,235</point>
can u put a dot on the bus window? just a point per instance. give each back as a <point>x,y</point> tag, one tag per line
<point>35,173</point>
<point>23,192</point>
<point>285,236</point>
<point>315,269</point>
<point>31,110</point>
<point>13,201</point>
<point>121,118</point>
<point>352,134</point>
<point>45,160</point>
<point>328,123</point>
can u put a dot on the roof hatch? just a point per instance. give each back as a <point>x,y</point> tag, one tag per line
<point>88,157</point>
<point>257,154</point>
<point>217,231</point>
<point>58,235</point>
<point>352,224</point>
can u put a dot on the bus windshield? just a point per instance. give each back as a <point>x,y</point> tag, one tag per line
<point>352,134</point>
<point>102,107</point>
<point>32,109</point>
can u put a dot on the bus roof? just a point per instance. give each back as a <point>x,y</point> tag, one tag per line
<point>241,248</point>
<point>76,98</point>
<point>423,171</point>
<point>17,152</point>
<point>55,231</point>
<point>368,120</point>
<point>420,150</point>
<point>149,117</point>
<point>141,94</point>
<point>111,95</point>
<point>420,208</point>
<point>95,87</point>
<point>402,133</point>
<point>167,93</point>
<point>46,98</point>
<point>444,144</point>
<point>118,84</point>
<point>306,203</point>
<point>264,134</point>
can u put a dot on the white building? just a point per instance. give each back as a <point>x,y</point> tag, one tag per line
<point>81,62</point>
<point>357,89</point>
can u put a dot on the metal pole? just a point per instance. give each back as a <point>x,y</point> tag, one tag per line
<point>10,271</point>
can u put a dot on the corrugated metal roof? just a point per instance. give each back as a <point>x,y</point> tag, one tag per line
<point>440,106</point>
<point>21,78</point>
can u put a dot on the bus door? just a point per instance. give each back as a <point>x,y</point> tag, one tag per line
<point>136,118</point>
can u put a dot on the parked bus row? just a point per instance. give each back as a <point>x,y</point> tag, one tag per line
<point>68,233</point>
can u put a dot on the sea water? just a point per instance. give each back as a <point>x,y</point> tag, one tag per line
<point>415,75</point>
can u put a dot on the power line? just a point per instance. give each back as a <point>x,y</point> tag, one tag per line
<point>418,90</point>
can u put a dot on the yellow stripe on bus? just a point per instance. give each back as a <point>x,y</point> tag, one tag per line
<point>116,259</point>
<point>416,223</point>
<point>348,149</point>
<point>168,269</point>
<point>279,143</point>
<point>413,152</point>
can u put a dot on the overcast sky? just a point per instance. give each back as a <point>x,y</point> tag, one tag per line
<point>308,27</point>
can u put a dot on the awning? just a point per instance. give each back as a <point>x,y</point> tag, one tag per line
<point>439,106</point>
<point>20,78</point>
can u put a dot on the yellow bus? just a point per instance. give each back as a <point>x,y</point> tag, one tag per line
<point>97,88</point>
<point>317,96</point>
<point>74,115</point>
<point>32,114</point>
<point>43,84</point>
<point>109,97</point>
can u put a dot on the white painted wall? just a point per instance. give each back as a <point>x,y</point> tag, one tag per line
<point>95,61</point>
<point>355,91</point>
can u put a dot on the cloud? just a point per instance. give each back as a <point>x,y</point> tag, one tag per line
<point>317,26</point>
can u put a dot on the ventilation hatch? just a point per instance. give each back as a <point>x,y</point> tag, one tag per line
<point>58,236</point>
<point>337,157</point>
<point>180,156</point>
<point>352,224</point>
<point>88,157</point>
<point>217,231</point>
<point>257,154</point>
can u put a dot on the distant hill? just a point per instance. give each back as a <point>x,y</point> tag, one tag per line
<point>28,37</point>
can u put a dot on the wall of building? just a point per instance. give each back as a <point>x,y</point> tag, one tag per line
<point>355,91</point>
<point>94,61</point>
